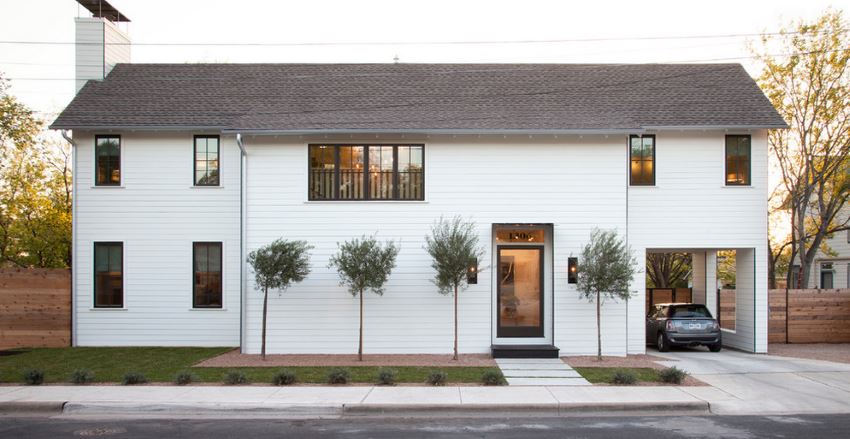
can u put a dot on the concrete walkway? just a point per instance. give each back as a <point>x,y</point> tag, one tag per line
<point>743,383</point>
<point>539,372</point>
<point>326,401</point>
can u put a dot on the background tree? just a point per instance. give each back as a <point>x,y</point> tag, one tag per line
<point>806,77</point>
<point>453,246</point>
<point>668,270</point>
<point>35,190</point>
<point>277,266</point>
<point>605,270</point>
<point>364,264</point>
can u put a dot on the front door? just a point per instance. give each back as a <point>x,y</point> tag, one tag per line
<point>520,291</point>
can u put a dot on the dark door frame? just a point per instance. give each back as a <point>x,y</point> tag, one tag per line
<point>527,331</point>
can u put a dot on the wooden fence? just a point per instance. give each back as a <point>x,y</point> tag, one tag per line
<point>813,316</point>
<point>667,295</point>
<point>35,308</point>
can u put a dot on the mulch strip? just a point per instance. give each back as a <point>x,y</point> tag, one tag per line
<point>236,359</point>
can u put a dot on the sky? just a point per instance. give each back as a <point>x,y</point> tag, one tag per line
<point>455,31</point>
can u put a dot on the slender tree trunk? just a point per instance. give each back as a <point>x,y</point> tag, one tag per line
<point>265,313</point>
<point>360,348</point>
<point>598,328</point>
<point>455,357</point>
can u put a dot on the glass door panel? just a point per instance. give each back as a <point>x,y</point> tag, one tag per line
<point>520,292</point>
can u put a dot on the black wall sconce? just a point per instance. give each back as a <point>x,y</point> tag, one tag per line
<point>572,270</point>
<point>472,274</point>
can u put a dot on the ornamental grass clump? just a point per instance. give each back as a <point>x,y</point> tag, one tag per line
<point>133,378</point>
<point>82,376</point>
<point>437,378</point>
<point>623,377</point>
<point>33,377</point>
<point>184,377</point>
<point>235,377</point>
<point>284,377</point>
<point>493,377</point>
<point>672,375</point>
<point>387,376</point>
<point>339,376</point>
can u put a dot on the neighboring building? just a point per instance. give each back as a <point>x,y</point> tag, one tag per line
<point>182,169</point>
<point>832,270</point>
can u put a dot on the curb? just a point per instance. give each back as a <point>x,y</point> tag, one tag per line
<point>32,407</point>
<point>526,409</point>
<point>236,410</point>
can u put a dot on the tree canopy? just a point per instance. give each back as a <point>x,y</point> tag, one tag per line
<point>364,264</point>
<point>280,264</point>
<point>454,247</point>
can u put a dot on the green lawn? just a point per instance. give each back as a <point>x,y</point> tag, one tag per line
<point>161,364</point>
<point>604,374</point>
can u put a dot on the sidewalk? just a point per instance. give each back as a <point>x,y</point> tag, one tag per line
<point>173,401</point>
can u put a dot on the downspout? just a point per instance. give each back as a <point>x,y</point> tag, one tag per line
<point>73,235</point>
<point>243,164</point>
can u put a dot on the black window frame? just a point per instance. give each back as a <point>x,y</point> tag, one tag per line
<point>366,189</point>
<point>195,159</point>
<point>94,273</point>
<point>749,175</point>
<point>220,274</point>
<point>654,146</point>
<point>97,167</point>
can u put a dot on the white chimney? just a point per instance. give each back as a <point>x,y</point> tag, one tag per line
<point>100,44</point>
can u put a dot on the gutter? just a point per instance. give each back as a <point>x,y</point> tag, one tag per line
<point>70,140</point>
<point>243,165</point>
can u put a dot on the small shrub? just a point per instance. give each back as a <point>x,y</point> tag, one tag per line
<point>235,377</point>
<point>284,377</point>
<point>339,376</point>
<point>437,378</point>
<point>33,377</point>
<point>623,377</point>
<point>672,375</point>
<point>132,378</point>
<point>184,377</point>
<point>82,376</point>
<point>493,377</point>
<point>387,376</point>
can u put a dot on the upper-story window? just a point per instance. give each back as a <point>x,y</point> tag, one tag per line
<point>206,160</point>
<point>366,172</point>
<point>642,160</point>
<point>738,160</point>
<point>107,151</point>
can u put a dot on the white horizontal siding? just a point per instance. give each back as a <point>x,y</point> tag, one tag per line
<point>157,214</point>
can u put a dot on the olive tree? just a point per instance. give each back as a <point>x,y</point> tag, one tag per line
<point>277,266</point>
<point>605,270</point>
<point>364,264</point>
<point>454,248</point>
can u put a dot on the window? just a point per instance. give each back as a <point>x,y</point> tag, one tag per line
<point>206,160</point>
<point>689,311</point>
<point>206,275</point>
<point>108,275</point>
<point>642,158</point>
<point>737,160</point>
<point>366,172</point>
<point>795,276</point>
<point>107,151</point>
<point>826,276</point>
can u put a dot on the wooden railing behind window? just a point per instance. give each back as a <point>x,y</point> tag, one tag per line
<point>410,185</point>
<point>321,184</point>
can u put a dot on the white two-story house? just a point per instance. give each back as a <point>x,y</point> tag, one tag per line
<point>180,170</point>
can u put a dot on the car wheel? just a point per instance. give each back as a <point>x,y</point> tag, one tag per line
<point>715,347</point>
<point>661,343</point>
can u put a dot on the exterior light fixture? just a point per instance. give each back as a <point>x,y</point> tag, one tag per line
<point>472,273</point>
<point>572,270</point>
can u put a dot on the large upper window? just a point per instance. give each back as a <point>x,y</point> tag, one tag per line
<point>737,160</point>
<point>206,275</point>
<point>108,275</point>
<point>366,172</point>
<point>642,160</point>
<point>107,151</point>
<point>206,160</point>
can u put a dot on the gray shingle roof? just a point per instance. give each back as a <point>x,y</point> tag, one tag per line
<point>307,97</point>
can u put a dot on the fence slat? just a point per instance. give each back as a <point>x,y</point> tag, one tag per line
<point>35,305</point>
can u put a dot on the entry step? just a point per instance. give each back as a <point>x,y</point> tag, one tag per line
<point>524,351</point>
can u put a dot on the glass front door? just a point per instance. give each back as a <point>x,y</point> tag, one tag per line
<point>520,291</point>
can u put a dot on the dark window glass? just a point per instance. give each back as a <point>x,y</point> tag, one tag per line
<point>688,311</point>
<point>107,160</point>
<point>737,160</point>
<point>206,275</point>
<point>322,172</point>
<point>642,160</point>
<point>108,275</point>
<point>373,172</point>
<point>206,160</point>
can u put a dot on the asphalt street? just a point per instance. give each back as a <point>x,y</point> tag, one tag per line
<point>656,427</point>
